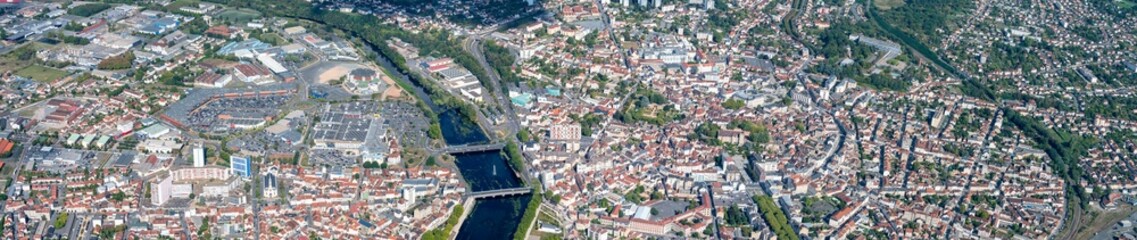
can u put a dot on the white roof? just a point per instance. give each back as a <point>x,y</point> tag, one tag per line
<point>271,63</point>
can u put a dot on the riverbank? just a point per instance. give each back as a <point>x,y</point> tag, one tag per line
<point>494,218</point>
<point>529,218</point>
<point>467,207</point>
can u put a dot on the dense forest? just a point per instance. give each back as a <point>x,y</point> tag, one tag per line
<point>1116,8</point>
<point>86,10</point>
<point>928,20</point>
<point>501,59</point>
<point>884,82</point>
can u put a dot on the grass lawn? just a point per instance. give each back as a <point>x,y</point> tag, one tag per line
<point>888,4</point>
<point>273,38</point>
<point>177,5</point>
<point>1125,4</point>
<point>239,15</point>
<point>41,73</point>
<point>11,60</point>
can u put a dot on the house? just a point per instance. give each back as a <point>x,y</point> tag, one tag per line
<point>221,31</point>
<point>735,137</point>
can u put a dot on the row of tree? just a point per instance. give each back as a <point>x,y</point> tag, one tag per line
<point>444,232</point>
<point>775,218</point>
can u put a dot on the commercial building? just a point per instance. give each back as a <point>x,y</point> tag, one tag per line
<point>252,74</point>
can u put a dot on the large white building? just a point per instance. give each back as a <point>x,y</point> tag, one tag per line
<point>198,156</point>
<point>564,132</point>
<point>201,173</point>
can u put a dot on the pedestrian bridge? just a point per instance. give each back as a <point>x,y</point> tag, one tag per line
<point>507,192</point>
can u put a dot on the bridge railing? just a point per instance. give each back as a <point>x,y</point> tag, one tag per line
<point>499,192</point>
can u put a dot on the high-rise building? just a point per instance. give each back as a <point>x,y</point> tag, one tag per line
<point>161,190</point>
<point>241,166</point>
<point>198,156</point>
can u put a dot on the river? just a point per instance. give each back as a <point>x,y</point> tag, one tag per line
<point>492,218</point>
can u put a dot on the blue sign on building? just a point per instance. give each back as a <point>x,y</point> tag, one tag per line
<point>241,166</point>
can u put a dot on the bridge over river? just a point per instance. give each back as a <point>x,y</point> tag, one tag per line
<point>459,149</point>
<point>505,192</point>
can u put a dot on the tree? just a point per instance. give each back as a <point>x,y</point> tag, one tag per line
<point>119,62</point>
<point>733,104</point>
<point>513,153</point>
<point>735,216</point>
<point>86,10</point>
<point>523,135</point>
<point>118,196</point>
<point>60,220</point>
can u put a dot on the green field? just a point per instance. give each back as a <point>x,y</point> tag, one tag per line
<point>20,57</point>
<point>888,4</point>
<point>1125,4</point>
<point>41,73</point>
<point>177,5</point>
<point>239,15</point>
<point>272,38</point>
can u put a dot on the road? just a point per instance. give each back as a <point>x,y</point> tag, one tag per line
<point>975,168</point>
<point>473,45</point>
<point>627,64</point>
<point>256,202</point>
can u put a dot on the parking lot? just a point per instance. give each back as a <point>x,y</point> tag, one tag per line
<point>408,122</point>
<point>227,113</point>
<point>328,157</point>
<point>221,110</point>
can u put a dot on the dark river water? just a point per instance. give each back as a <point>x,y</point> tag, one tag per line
<point>493,218</point>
